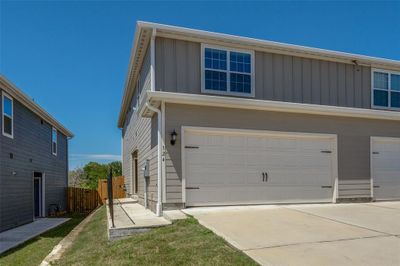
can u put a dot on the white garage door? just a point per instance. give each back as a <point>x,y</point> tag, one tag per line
<point>385,162</point>
<point>228,167</point>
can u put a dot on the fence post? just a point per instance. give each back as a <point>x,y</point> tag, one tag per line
<point>110,196</point>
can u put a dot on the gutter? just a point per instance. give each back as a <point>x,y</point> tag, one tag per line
<point>159,157</point>
<point>159,124</point>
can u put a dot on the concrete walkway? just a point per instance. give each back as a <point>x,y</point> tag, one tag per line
<point>19,235</point>
<point>130,218</point>
<point>315,234</point>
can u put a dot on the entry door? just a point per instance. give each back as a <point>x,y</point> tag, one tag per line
<point>134,170</point>
<point>37,194</point>
<point>385,166</point>
<point>223,168</point>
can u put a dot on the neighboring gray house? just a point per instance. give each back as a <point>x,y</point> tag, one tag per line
<point>225,120</point>
<point>33,159</point>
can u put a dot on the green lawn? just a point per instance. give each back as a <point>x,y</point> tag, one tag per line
<point>36,249</point>
<point>185,242</point>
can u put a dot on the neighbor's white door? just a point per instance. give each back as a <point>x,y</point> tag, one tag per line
<point>385,166</point>
<point>224,168</point>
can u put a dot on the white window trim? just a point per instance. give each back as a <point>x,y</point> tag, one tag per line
<point>228,92</point>
<point>56,142</point>
<point>389,89</point>
<point>3,95</point>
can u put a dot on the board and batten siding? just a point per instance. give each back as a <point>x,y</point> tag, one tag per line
<point>32,151</point>
<point>277,77</point>
<point>138,135</point>
<point>353,138</point>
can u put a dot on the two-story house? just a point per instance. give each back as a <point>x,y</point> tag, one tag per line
<point>223,120</point>
<point>33,159</point>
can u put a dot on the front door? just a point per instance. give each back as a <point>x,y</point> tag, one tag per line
<point>37,198</point>
<point>37,194</point>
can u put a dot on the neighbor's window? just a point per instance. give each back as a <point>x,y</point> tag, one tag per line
<point>54,141</point>
<point>7,116</point>
<point>386,89</point>
<point>227,71</point>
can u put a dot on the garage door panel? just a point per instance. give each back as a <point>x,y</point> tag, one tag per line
<point>256,194</point>
<point>230,170</point>
<point>299,178</point>
<point>386,168</point>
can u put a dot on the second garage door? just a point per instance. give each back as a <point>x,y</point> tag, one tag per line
<point>385,166</point>
<point>227,167</point>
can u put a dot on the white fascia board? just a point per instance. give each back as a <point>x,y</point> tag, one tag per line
<point>266,105</point>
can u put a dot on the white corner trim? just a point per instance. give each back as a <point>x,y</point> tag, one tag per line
<point>267,105</point>
<point>153,60</point>
<point>164,152</point>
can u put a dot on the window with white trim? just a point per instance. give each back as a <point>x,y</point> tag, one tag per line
<point>7,116</point>
<point>227,71</point>
<point>386,89</point>
<point>54,141</point>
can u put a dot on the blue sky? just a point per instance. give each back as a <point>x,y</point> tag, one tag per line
<point>72,56</point>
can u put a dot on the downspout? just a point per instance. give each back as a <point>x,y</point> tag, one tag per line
<point>159,124</point>
<point>159,158</point>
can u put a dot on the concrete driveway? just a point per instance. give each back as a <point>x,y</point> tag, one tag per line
<point>315,234</point>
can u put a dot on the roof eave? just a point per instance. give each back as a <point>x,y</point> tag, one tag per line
<point>24,99</point>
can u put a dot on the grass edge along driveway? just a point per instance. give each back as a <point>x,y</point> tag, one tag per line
<point>185,242</point>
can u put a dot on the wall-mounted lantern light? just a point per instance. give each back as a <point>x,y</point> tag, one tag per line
<point>173,137</point>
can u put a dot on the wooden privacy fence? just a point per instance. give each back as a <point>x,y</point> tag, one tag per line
<point>81,200</point>
<point>118,188</point>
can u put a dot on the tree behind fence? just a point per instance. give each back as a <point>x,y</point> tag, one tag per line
<point>81,200</point>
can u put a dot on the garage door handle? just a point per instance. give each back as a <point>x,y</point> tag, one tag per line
<point>191,147</point>
<point>265,176</point>
<point>377,186</point>
<point>375,152</point>
<point>326,186</point>
<point>326,151</point>
<point>192,188</point>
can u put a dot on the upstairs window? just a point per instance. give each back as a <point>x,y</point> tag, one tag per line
<point>7,116</point>
<point>54,141</point>
<point>386,89</point>
<point>227,71</point>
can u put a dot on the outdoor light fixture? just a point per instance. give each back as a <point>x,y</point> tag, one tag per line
<point>173,137</point>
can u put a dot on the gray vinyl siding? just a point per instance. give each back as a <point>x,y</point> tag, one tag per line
<point>353,137</point>
<point>140,134</point>
<point>31,149</point>
<point>277,77</point>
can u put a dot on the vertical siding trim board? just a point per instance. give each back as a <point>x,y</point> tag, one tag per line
<point>153,60</point>
<point>163,172</point>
